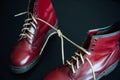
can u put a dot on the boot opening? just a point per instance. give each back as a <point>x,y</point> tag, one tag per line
<point>115,27</point>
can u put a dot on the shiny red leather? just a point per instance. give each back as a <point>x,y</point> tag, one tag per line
<point>104,49</point>
<point>26,51</point>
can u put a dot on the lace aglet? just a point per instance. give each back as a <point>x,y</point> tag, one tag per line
<point>20,14</point>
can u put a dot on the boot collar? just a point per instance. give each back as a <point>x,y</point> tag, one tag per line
<point>106,35</point>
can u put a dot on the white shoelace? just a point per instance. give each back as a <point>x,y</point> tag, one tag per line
<point>33,21</point>
<point>29,21</point>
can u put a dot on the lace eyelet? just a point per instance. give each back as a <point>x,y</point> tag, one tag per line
<point>93,45</point>
<point>95,40</point>
<point>92,49</point>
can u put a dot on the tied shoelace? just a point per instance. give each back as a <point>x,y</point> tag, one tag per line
<point>33,21</point>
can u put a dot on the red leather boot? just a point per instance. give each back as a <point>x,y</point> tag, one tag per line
<point>26,51</point>
<point>99,56</point>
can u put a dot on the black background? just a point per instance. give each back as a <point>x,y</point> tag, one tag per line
<point>75,18</point>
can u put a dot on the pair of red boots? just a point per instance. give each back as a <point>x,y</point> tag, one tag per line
<point>98,56</point>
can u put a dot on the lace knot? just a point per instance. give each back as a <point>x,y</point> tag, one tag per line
<point>59,33</point>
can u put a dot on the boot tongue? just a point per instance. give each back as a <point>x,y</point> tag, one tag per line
<point>31,6</point>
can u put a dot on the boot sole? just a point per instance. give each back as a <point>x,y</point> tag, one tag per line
<point>19,70</point>
<point>108,70</point>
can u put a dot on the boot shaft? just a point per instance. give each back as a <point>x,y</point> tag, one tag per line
<point>42,9</point>
<point>101,43</point>
<point>103,38</point>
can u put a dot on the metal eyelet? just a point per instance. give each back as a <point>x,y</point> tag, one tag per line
<point>95,40</point>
